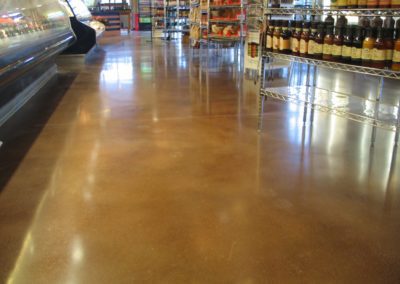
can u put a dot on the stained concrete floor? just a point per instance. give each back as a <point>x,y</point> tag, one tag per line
<point>144,166</point>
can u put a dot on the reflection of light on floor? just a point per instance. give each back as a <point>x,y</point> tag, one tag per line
<point>77,250</point>
<point>336,86</point>
<point>117,70</point>
<point>333,132</point>
<point>364,152</point>
<point>339,101</point>
<point>182,60</point>
<point>77,255</point>
<point>295,122</point>
<point>369,109</point>
<point>146,68</point>
<point>395,112</point>
<point>155,112</point>
<point>388,159</point>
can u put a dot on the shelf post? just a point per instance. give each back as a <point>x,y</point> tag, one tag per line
<point>305,112</point>
<point>397,134</point>
<point>377,101</point>
<point>314,84</point>
<point>261,98</point>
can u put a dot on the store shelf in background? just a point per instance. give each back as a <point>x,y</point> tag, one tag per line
<point>323,11</point>
<point>337,66</point>
<point>343,105</point>
<point>113,21</point>
<point>225,6</point>
<point>236,21</point>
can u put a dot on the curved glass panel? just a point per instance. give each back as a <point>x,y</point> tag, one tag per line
<point>68,9</point>
<point>25,23</point>
<point>80,10</point>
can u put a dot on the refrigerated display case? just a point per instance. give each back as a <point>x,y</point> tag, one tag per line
<point>85,28</point>
<point>32,33</point>
<point>80,10</point>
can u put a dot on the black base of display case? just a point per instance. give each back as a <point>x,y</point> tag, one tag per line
<point>86,38</point>
<point>19,91</point>
<point>26,71</point>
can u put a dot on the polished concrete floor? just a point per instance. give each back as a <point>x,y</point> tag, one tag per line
<point>144,165</point>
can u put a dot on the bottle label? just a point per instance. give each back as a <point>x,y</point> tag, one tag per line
<point>372,3</point>
<point>378,54</point>
<point>366,54</point>
<point>295,45</point>
<point>317,48</point>
<point>303,46</point>
<point>284,44</point>
<point>356,53</point>
<point>336,50</point>
<point>311,44</point>
<point>384,3</point>
<point>389,54</point>
<point>396,56</point>
<point>269,41</point>
<point>342,3</point>
<point>327,49</point>
<point>346,51</point>
<point>352,3</point>
<point>275,42</point>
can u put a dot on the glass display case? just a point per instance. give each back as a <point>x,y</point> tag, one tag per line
<point>80,10</point>
<point>25,24</point>
<point>32,34</point>
<point>77,9</point>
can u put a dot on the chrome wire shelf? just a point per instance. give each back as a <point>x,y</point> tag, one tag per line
<point>343,105</point>
<point>337,66</point>
<point>176,30</point>
<point>323,11</point>
<point>224,38</point>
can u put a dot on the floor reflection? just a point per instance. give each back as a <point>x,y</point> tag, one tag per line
<point>159,162</point>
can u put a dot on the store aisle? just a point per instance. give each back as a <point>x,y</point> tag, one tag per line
<point>150,170</point>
